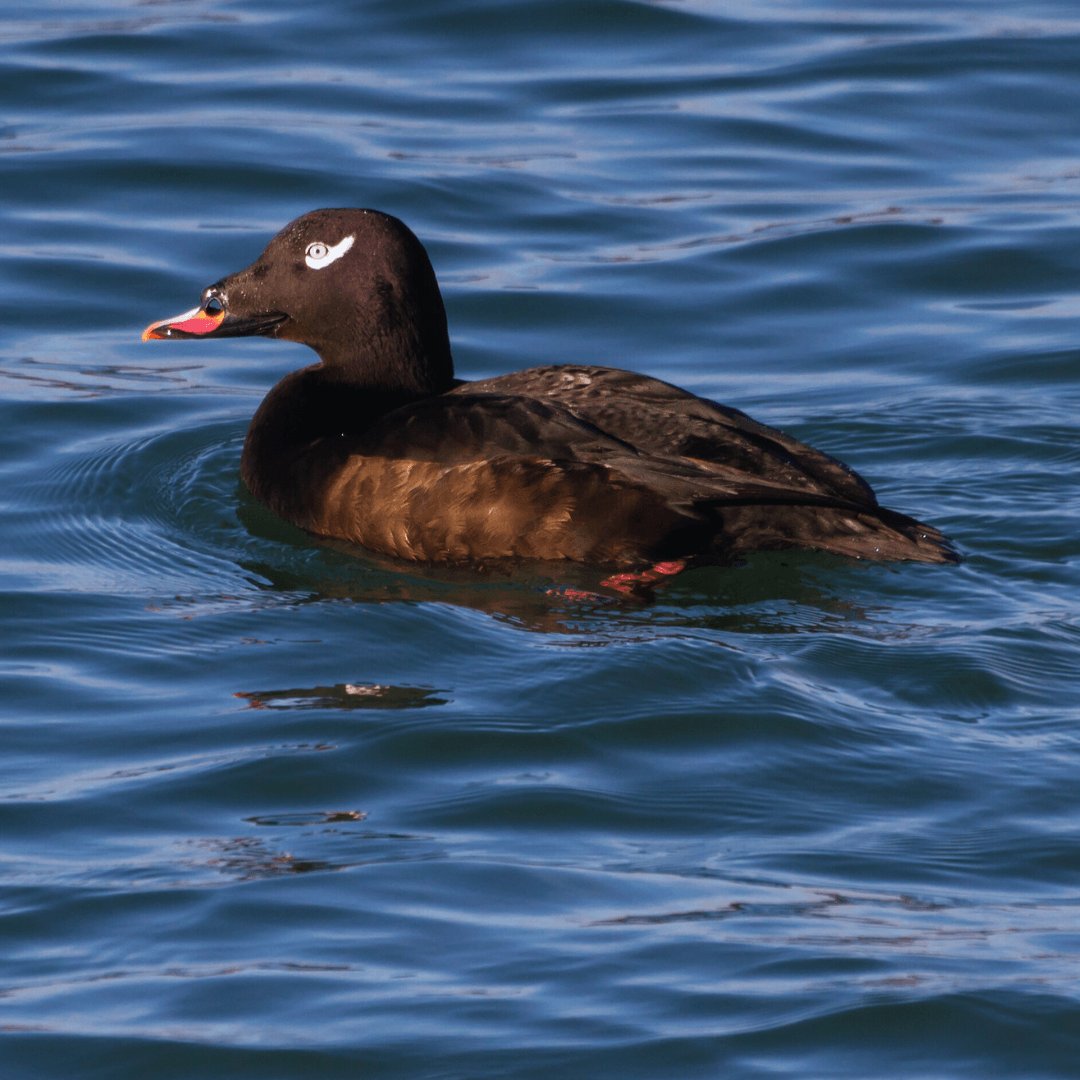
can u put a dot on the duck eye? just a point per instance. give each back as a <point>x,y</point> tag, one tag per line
<point>318,254</point>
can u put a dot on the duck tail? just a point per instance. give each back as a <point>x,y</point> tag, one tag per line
<point>857,532</point>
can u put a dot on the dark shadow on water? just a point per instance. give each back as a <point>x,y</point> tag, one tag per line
<point>333,847</point>
<point>343,696</point>
<point>316,817</point>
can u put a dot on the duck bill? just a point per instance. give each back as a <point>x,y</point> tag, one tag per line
<point>200,323</point>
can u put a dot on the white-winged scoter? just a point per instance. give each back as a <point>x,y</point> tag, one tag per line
<point>380,445</point>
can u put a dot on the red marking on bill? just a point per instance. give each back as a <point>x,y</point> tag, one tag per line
<point>195,321</point>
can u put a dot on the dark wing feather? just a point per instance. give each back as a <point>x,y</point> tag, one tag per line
<point>664,420</point>
<point>758,488</point>
<point>470,427</point>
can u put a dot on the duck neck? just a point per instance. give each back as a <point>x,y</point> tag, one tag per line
<point>305,429</point>
<point>386,373</point>
<point>397,341</point>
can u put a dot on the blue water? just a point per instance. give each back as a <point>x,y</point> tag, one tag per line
<point>276,808</point>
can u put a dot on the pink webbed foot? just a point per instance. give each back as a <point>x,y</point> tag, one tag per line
<point>644,579</point>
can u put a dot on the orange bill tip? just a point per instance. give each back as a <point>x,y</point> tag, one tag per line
<point>195,321</point>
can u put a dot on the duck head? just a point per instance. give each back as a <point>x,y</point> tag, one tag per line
<point>355,285</point>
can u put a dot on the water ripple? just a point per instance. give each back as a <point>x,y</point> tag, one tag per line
<point>278,807</point>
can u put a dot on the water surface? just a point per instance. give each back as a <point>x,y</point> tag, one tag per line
<point>272,807</point>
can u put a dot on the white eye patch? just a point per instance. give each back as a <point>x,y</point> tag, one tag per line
<point>319,254</point>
